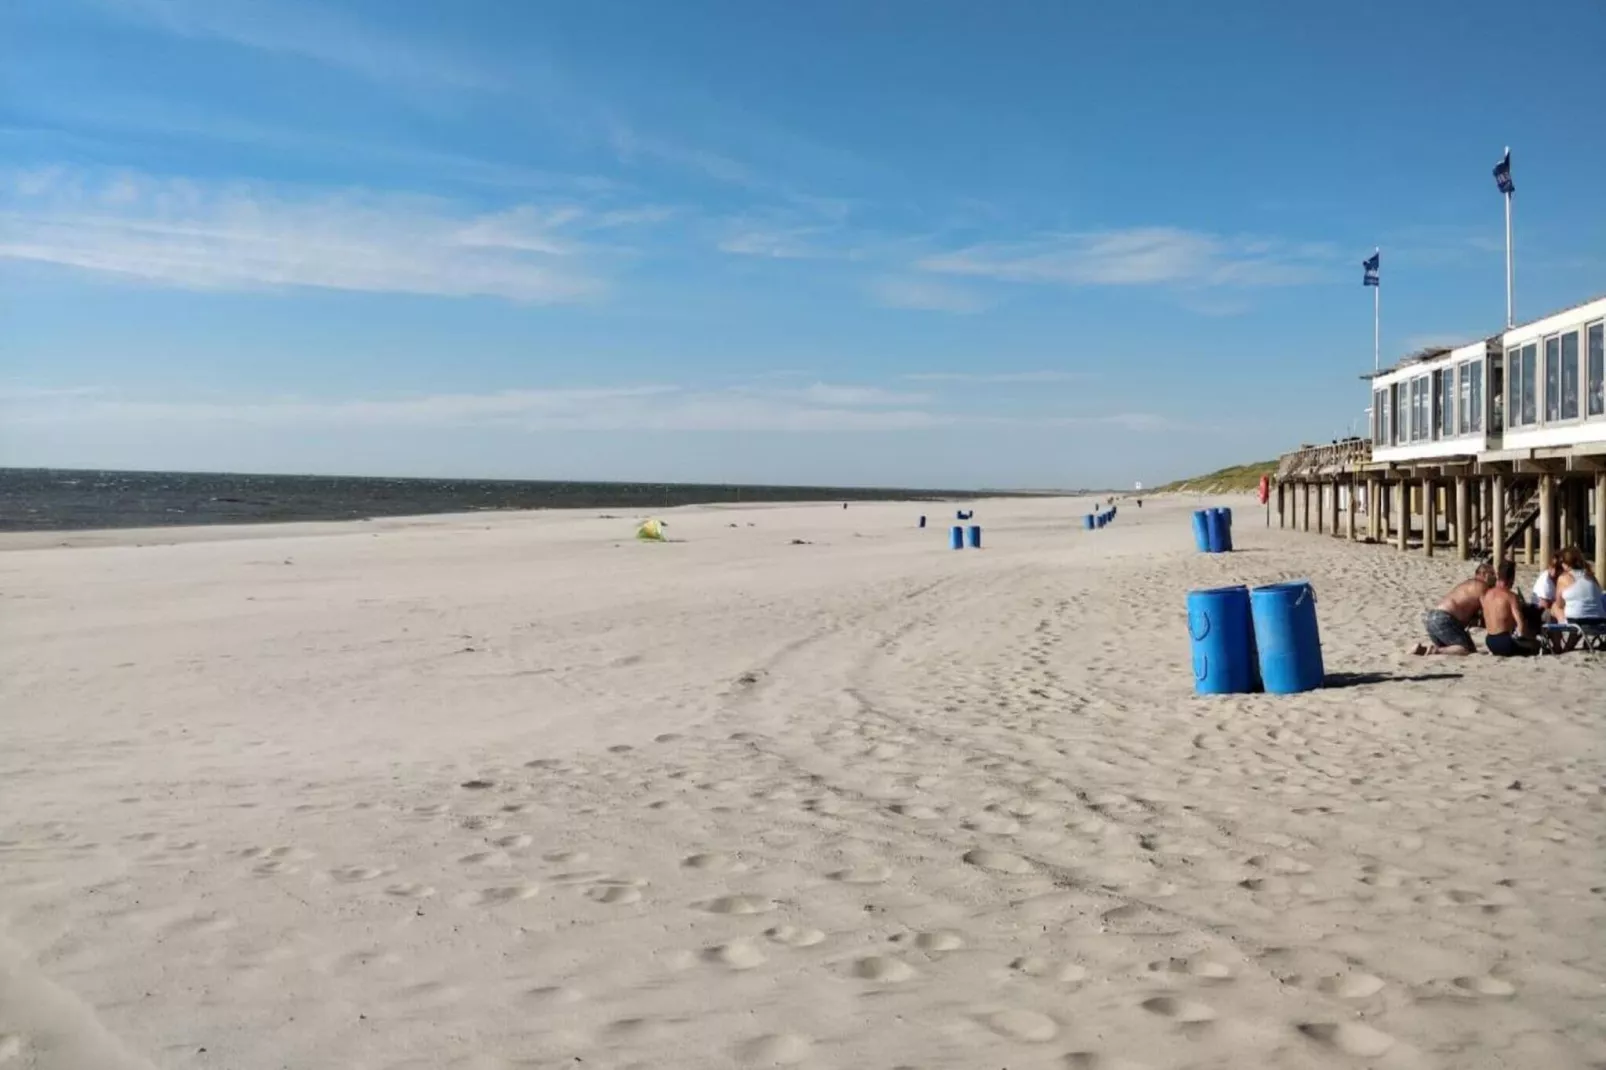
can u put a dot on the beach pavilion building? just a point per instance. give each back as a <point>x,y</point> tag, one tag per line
<point>1482,447</point>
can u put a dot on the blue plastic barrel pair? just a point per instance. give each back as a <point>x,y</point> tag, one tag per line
<point>975,536</point>
<point>1201,530</point>
<point>1088,521</point>
<point>956,537</point>
<point>1265,639</point>
<point>1220,525</point>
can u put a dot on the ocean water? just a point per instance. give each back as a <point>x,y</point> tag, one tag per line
<point>41,499</point>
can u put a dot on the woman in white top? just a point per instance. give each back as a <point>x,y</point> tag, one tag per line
<point>1578,592</point>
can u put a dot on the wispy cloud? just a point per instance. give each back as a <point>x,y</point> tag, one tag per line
<point>633,408</point>
<point>925,295</point>
<point>305,31</point>
<point>1032,377</point>
<point>820,407</point>
<point>1139,256</point>
<point>189,234</point>
<point>796,243</point>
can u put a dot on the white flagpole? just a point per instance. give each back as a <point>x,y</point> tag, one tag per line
<point>1510,316</point>
<point>1377,301</point>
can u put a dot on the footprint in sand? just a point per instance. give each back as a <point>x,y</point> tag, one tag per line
<point>737,904</point>
<point>736,955</point>
<point>991,825</point>
<point>477,785</point>
<point>1179,1010</point>
<point>573,858</point>
<point>882,969</point>
<point>870,873</point>
<point>1201,966</point>
<point>355,874</point>
<point>794,935</point>
<point>490,897</point>
<point>777,1049</point>
<point>1017,1023</point>
<point>1032,966</point>
<point>514,842</point>
<point>1351,985</point>
<point>939,941</point>
<point>614,894</point>
<point>1488,987</point>
<point>711,862</point>
<point>1092,1060</point>
<point>916,812</point>
<point>997,861</point>
<point>1351,1038</point>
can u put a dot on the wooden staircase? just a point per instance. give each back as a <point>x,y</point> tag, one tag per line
<point>1522,510</point>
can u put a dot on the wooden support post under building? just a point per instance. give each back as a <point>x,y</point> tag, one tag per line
<point>1547,518</point>
<point>1600,523</point>
<point>1497,518</point>
<point>1349,513</point>
<point>1321,506</point>
<point>1374,509</point>
<point>1304,506</point>
<point>1402,520</point>
<point>1463,513</point>
<point>1578,512</point>
<point>1280,503</point>
<point>1333,516</point>
<point>1430,516</point>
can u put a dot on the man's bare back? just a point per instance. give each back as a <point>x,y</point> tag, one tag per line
<point>1465,600</point>
<point>1502,612</point>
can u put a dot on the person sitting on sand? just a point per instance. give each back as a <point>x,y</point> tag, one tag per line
<point>1578,597</point>
<point>1510,632</point>
<point>1447,625</point>
<point>1544,592</point>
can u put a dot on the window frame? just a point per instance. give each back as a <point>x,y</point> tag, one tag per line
<point>1594,332</point>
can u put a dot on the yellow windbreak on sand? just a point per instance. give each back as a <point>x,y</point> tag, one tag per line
<point>651,530</point>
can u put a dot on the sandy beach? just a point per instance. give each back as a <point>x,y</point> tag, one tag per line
<point>516,791</point>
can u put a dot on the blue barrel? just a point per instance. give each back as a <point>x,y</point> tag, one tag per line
<point>1224,660</point>
<point>1087,521</point>
<point>922,521</point>
<point>1101,520</point>
<point>1201,530</point>
<point>1220,531</point>
<point>956,537</point>
<point>1286,635</point>
<point>975,536</point>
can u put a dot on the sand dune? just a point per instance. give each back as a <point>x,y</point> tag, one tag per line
<point>517,791</point>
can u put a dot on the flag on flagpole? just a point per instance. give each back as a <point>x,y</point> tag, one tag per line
<point>1502,174</point>
<point>1369,267</point>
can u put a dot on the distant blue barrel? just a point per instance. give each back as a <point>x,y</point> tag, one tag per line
<point>1100,520</point>
<point>1220,531</point>
<point>956,537</point>
<point>1224,660</point>
<point>922,521</point>
<point>1088,520</point>
<point>975,536</point>
<point>1287,637</point>
<point>1201,530</point>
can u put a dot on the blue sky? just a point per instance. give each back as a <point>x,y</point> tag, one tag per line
<point>915,242</point>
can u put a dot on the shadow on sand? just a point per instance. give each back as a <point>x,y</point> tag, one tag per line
<point>1367,679</point>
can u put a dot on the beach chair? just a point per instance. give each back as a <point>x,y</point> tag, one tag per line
<point>1593,635</point>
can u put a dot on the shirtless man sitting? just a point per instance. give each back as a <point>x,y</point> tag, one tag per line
<point>1447,625</point>
<point>1510,635</point>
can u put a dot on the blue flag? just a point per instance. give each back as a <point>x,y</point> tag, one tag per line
<point>1502,174</point>
<point>1370,268</point>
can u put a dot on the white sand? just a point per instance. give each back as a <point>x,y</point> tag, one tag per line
<point>516,791</point>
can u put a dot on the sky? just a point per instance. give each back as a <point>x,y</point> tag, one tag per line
<point>910,242</point>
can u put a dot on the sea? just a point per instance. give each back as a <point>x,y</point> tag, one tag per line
<point>45,499</point>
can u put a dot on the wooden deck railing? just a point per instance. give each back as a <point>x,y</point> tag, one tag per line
<point>1315,462</point>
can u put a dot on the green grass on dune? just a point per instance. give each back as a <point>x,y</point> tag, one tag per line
<point>1241,477</point>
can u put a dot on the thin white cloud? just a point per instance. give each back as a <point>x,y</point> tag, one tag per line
<point>791,244</point>
<point>306,31</point>
<point>821,407</point>
<point>1036,377</point>
<point>190,234</point>
<point>1139,256</point>
<point>925,295</point>
<point>638,408</point>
